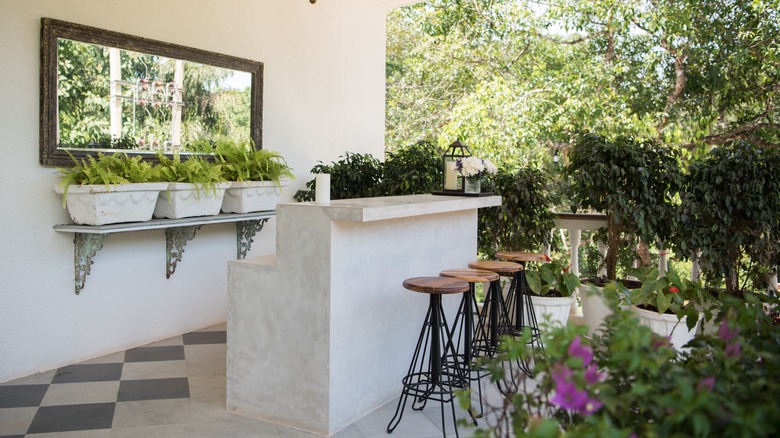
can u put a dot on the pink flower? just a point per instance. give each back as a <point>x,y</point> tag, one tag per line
<point>592,375</point>
<point>733,350</point>
<point>706,384</point>
<point>576,349</point>
<point>674,290</point>
<point>726,333</point>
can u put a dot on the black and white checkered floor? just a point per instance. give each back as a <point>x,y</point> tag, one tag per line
<point>172,388</point>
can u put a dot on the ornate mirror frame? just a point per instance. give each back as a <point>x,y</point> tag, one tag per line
<point>52,30</point>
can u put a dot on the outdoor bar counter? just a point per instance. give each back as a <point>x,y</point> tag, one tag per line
<point>320,333</point>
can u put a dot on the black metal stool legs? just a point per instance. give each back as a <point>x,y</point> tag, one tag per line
<point>521,308</point>
<point>430,375</point>
<point>464,332</point>
<point>494,322</point>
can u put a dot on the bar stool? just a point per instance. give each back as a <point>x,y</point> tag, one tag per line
<point>430,377</point>
<point>496,312</point>
<point>464,330</point>
<point>519,301</point>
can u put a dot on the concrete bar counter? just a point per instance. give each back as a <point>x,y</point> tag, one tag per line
<point>321,333</point>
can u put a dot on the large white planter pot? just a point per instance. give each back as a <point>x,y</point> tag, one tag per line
<point>557,307</point>
<point>250,196</point>
<point>594,308</point>
<point>101,205</point>
<point>668,326</point>
<point>181,200</point>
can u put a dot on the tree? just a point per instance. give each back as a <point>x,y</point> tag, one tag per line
<point>514,78</point>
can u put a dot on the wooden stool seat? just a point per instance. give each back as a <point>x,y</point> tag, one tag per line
<point>436,285</point>
<point>496,266</point>
<point>517,256</point>
<point>470,275</point>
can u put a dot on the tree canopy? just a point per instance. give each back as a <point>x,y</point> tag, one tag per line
<point>515,79</point>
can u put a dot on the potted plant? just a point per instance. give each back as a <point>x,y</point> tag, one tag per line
<point>553,287</point>
<point>256,177</point>
<point>729,212</point>
<point>109,189</point>
<point>196,187</point>
<point>670,305</point>
<point>634,183</point>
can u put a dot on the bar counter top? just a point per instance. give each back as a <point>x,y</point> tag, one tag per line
<point>395,207</point>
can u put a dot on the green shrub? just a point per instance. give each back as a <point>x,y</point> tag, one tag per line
<point>729,211</point>
<point>413,169</point>
<point>355,175</point>
<point>630,382</point>
<point>633,182</point>
<point>524,219</point>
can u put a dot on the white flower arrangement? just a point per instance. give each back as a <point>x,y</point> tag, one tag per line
<point>474,167</point>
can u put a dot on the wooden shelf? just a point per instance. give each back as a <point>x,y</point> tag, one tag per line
<point>89,239</point>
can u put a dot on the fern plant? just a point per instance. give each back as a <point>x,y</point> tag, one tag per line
<point>195,170</point>
<point>107,170</point>
<point>241,162</point>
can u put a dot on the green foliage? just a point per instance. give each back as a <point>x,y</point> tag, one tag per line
<point>514,78</point>
<point>354,176</point>
<point>524,219</point>
<point>106,170</point>
<point>117,168</point>
<point>416,168</point>
<point>242,162</point>
<point>195,170</point>
<point>635,183</point>
<point>730,204</point>
<point>633,383</point>
<point>551,279</point>
<point>670,294</point>
<point>210,111</point>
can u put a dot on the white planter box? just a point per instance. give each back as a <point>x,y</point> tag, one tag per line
<point>101,205</point>
<point>181,200</point>
<point>250,196</point>
<point>557,307</point>
<point>668,326</point>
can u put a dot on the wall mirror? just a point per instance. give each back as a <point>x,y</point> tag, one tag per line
<point>103,91</point>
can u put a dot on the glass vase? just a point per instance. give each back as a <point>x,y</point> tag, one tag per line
<point>472,185</point>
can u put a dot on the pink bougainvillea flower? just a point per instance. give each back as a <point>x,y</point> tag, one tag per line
<point>660,342</point>
<point>576,349</point>
<point>706,384</point>
<point>592,375</point>
<point>567,396</point>
<point>733,350</point>
<point>591,405</point>
<point>560,373</point>
<point>726,333</point>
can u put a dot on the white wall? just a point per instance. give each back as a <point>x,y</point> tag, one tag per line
<point>324,94</point>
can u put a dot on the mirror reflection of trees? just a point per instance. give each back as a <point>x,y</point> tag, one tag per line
<point>158,109</point>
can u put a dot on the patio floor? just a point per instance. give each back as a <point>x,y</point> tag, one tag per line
<point>172,388</point>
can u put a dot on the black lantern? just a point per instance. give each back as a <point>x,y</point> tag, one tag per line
<point>453,181</point>
<point>555,157</point>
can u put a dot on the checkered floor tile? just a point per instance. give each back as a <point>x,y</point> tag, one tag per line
<point>91,396</point>
<point>170,389</point>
